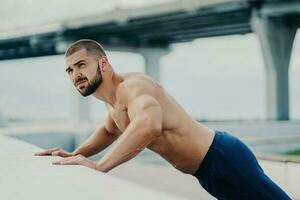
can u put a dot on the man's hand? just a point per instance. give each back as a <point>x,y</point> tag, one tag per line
<point>54,152</point>
<point>76,160</point>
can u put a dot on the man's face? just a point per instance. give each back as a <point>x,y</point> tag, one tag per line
<point>84,71</point>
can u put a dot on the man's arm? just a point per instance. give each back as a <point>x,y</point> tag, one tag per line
<point>146,123</point>
<point>101,138</point>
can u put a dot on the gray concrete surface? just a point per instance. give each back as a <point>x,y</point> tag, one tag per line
<point>26,177</point>
<point>148,169</point>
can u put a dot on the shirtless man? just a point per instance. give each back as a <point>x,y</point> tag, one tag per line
<point>141,114</point>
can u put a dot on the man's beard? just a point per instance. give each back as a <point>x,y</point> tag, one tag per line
<point>93,84</point>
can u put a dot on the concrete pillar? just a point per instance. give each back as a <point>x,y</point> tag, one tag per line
<point>2,119</point>
<point>80,108</point>
<point>276,35</point>
<point>152,60</point>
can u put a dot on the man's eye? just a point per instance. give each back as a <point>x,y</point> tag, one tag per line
<point>81,65</point>
<point>69,71</point>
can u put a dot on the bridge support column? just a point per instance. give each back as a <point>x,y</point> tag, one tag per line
<point>2,119</point>
<point>276,35</point>
<point>152,61</point>
<point>80,108</point>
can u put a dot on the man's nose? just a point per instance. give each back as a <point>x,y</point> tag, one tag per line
<point>76,74</point>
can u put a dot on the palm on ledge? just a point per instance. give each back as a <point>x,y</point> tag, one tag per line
<point>76,160</point>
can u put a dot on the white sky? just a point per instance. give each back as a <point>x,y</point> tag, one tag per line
<point>16,14</point>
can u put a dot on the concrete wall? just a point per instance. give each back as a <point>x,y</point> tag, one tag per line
<point>25,176</point>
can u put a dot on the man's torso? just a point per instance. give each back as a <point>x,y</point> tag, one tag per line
<point>183,141</point>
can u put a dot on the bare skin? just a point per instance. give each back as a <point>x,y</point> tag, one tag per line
<point>141,114</point>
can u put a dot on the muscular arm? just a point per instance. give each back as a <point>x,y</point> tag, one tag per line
<point>146,124</point>
<point>145,116</point>
<point>101,138</point>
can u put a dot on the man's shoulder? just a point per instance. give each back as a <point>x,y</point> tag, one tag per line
<point>136,81</point>
<point>134,86</point>
<point>135,76</point>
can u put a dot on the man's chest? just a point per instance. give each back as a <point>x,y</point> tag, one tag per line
<point>119,115</point>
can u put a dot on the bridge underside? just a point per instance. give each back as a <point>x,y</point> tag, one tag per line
<point>275,22</point>
<point>150,31</point>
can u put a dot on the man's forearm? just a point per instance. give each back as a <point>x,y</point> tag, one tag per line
<point>135,138</point>
<point>98,141</point>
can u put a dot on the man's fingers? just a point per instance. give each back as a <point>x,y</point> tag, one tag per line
<point>67,161</point>
<point>61,153</point>
<point>56,162</point>
<point>46,152</point>
<point>76,160</point>
<point>56,153</point>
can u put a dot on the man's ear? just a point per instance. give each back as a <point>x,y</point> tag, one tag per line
<point>103,63</point>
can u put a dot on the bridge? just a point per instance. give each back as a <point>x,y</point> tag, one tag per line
<point>150,29</point>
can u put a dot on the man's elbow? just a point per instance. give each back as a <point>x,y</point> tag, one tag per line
<point>153,127</point>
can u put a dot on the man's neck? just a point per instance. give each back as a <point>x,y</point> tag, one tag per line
<point>107,90</point>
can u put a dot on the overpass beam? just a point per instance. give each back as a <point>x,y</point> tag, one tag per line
<point>152,58</point>
<point>80,108</point>
<point>276,35</point>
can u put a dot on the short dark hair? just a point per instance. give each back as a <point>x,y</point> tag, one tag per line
<point>91,46</point>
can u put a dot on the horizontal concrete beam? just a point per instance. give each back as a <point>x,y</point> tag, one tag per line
<point>281,8</point>
<point>122,15</point>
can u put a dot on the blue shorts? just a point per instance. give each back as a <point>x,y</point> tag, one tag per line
<point>229,170</point>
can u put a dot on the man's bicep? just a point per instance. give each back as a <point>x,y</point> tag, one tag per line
<point>145,106</point>
<point>142,106</point>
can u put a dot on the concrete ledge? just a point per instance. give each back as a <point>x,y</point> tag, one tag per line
<point>279,158</point>
<point>158,176</point>
<point>24,176</point>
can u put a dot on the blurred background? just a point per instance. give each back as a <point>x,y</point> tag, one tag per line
<point>207,49</point>
<point>232,64</point>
